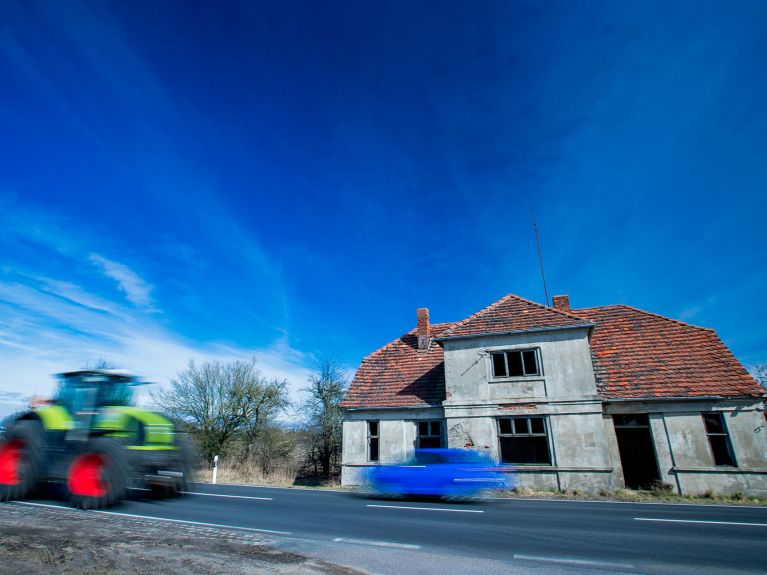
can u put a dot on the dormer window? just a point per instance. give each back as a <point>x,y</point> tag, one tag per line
<point>515,363</point>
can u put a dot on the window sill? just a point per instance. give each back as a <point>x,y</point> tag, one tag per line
<point>517,379</point>
<point>524,468</point>
<point>721,469</point>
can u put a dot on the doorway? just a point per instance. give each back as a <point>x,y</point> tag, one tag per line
<point>635,444</point>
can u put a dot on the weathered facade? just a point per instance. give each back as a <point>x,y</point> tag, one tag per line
<point>591,399</point>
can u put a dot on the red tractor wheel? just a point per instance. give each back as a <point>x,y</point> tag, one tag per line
<point>21,456</point>
<point>97,475</point>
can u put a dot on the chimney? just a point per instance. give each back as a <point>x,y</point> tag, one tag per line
<point>561,302</point>
<point>424,331</point>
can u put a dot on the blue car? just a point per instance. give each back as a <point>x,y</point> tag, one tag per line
<point>448,473</point>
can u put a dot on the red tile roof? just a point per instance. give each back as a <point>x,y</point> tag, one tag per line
<point>513,313</point>
<point>638,354</point>
<point>399,375</point>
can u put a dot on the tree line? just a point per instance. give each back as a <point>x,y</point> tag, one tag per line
<point>232,410</point>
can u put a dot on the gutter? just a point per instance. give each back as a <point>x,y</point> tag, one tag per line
<point>513,332</point>
<point>398,408</point>
<point>682,398</point>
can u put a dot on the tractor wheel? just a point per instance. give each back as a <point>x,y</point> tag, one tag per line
<point>21,460</point>
<point>98,475</point>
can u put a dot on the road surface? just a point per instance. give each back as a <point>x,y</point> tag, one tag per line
<point>496,536</point>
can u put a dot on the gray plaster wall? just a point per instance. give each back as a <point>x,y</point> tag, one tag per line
<point>564,393</point>
<point>683,452</point>
<point>397,434</point>
<point>564,355</point>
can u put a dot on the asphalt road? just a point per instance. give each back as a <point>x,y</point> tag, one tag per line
<point>513,536</point>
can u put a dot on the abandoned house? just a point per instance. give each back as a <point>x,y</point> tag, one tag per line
<point>589,399</point>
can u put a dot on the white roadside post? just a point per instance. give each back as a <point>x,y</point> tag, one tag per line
<point>215,468</point>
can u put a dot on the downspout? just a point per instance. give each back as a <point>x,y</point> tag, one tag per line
<point>671,452</point>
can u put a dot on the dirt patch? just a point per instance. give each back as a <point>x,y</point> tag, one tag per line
<point>45,541</point>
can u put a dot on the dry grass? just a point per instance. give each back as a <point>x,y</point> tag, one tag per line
<point>248,473</point>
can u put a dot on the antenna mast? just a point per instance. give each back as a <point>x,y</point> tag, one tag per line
<point>540,257</point>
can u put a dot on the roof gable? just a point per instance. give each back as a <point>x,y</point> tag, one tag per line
<point>513,313</point>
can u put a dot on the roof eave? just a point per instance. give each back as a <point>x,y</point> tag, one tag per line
<point>683,398</point>
<point>390,408</point>
<point>514,332</point>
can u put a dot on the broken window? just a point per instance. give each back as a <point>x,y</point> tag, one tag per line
<point>372,441</point>
<point>719,439</point>
<point>523,440</point>
<point>515,363</point>
<point>429,434</point>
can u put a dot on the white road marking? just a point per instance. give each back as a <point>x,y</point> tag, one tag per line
<point>43,505</point>
<point>572,561</point>
<point>612,502</point>
<point>700,521</point>
<point>427,508</point>
<point>376,543</point>
<point>230,496</point>
<point>269,531</point>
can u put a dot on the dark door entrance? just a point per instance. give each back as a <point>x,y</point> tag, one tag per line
<point>640,468</point>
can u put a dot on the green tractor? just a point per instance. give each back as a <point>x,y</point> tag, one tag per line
<point>91,439</point>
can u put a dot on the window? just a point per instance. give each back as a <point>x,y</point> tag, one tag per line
<point>372,441</point>
<point>523,440</point>
<point>719,439</point>
<point>429,434</point>
<point>516,363</point>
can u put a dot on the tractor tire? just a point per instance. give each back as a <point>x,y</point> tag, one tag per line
<point>98,474</point>
<point>21,459</point>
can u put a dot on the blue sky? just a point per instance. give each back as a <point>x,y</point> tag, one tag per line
<point>217,180</point>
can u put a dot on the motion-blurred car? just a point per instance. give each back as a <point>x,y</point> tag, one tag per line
<point>447,473</point>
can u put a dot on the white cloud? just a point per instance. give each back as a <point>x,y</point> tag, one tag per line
<point>136,290</point>
<point>43,333</point>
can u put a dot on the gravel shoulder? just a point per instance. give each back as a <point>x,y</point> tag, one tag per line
<point>44,541</point>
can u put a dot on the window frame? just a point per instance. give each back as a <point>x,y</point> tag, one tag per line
<point>373,438</point>
<point>725,433</point>
<point>530,434</point>
<point>505,352</point>
<point>418,435</point>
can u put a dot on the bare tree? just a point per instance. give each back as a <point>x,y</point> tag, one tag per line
<point>260,404</point>
<point>100,363</point>
<point>759,372</point>
<point>221,401</point>
<point>323,414</point>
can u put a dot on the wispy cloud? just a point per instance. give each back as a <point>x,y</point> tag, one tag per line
<point>44,334</point>
<point>136,289</point>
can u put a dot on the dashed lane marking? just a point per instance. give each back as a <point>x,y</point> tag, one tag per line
<point>572,561</point>
<point>700,521</point>
<point>387,544</point>
<point>426,508</point>
<point>228,496</point>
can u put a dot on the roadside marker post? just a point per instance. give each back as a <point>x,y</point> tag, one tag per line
<point>215,468</point>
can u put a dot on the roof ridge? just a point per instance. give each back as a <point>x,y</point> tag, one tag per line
<point>504,299</point>
<point>671,319</point>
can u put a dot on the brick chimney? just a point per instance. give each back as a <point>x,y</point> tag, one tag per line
<point>424,331</point>
<point>561,302</point>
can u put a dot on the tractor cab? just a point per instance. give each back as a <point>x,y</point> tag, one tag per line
<point>88,390</point>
